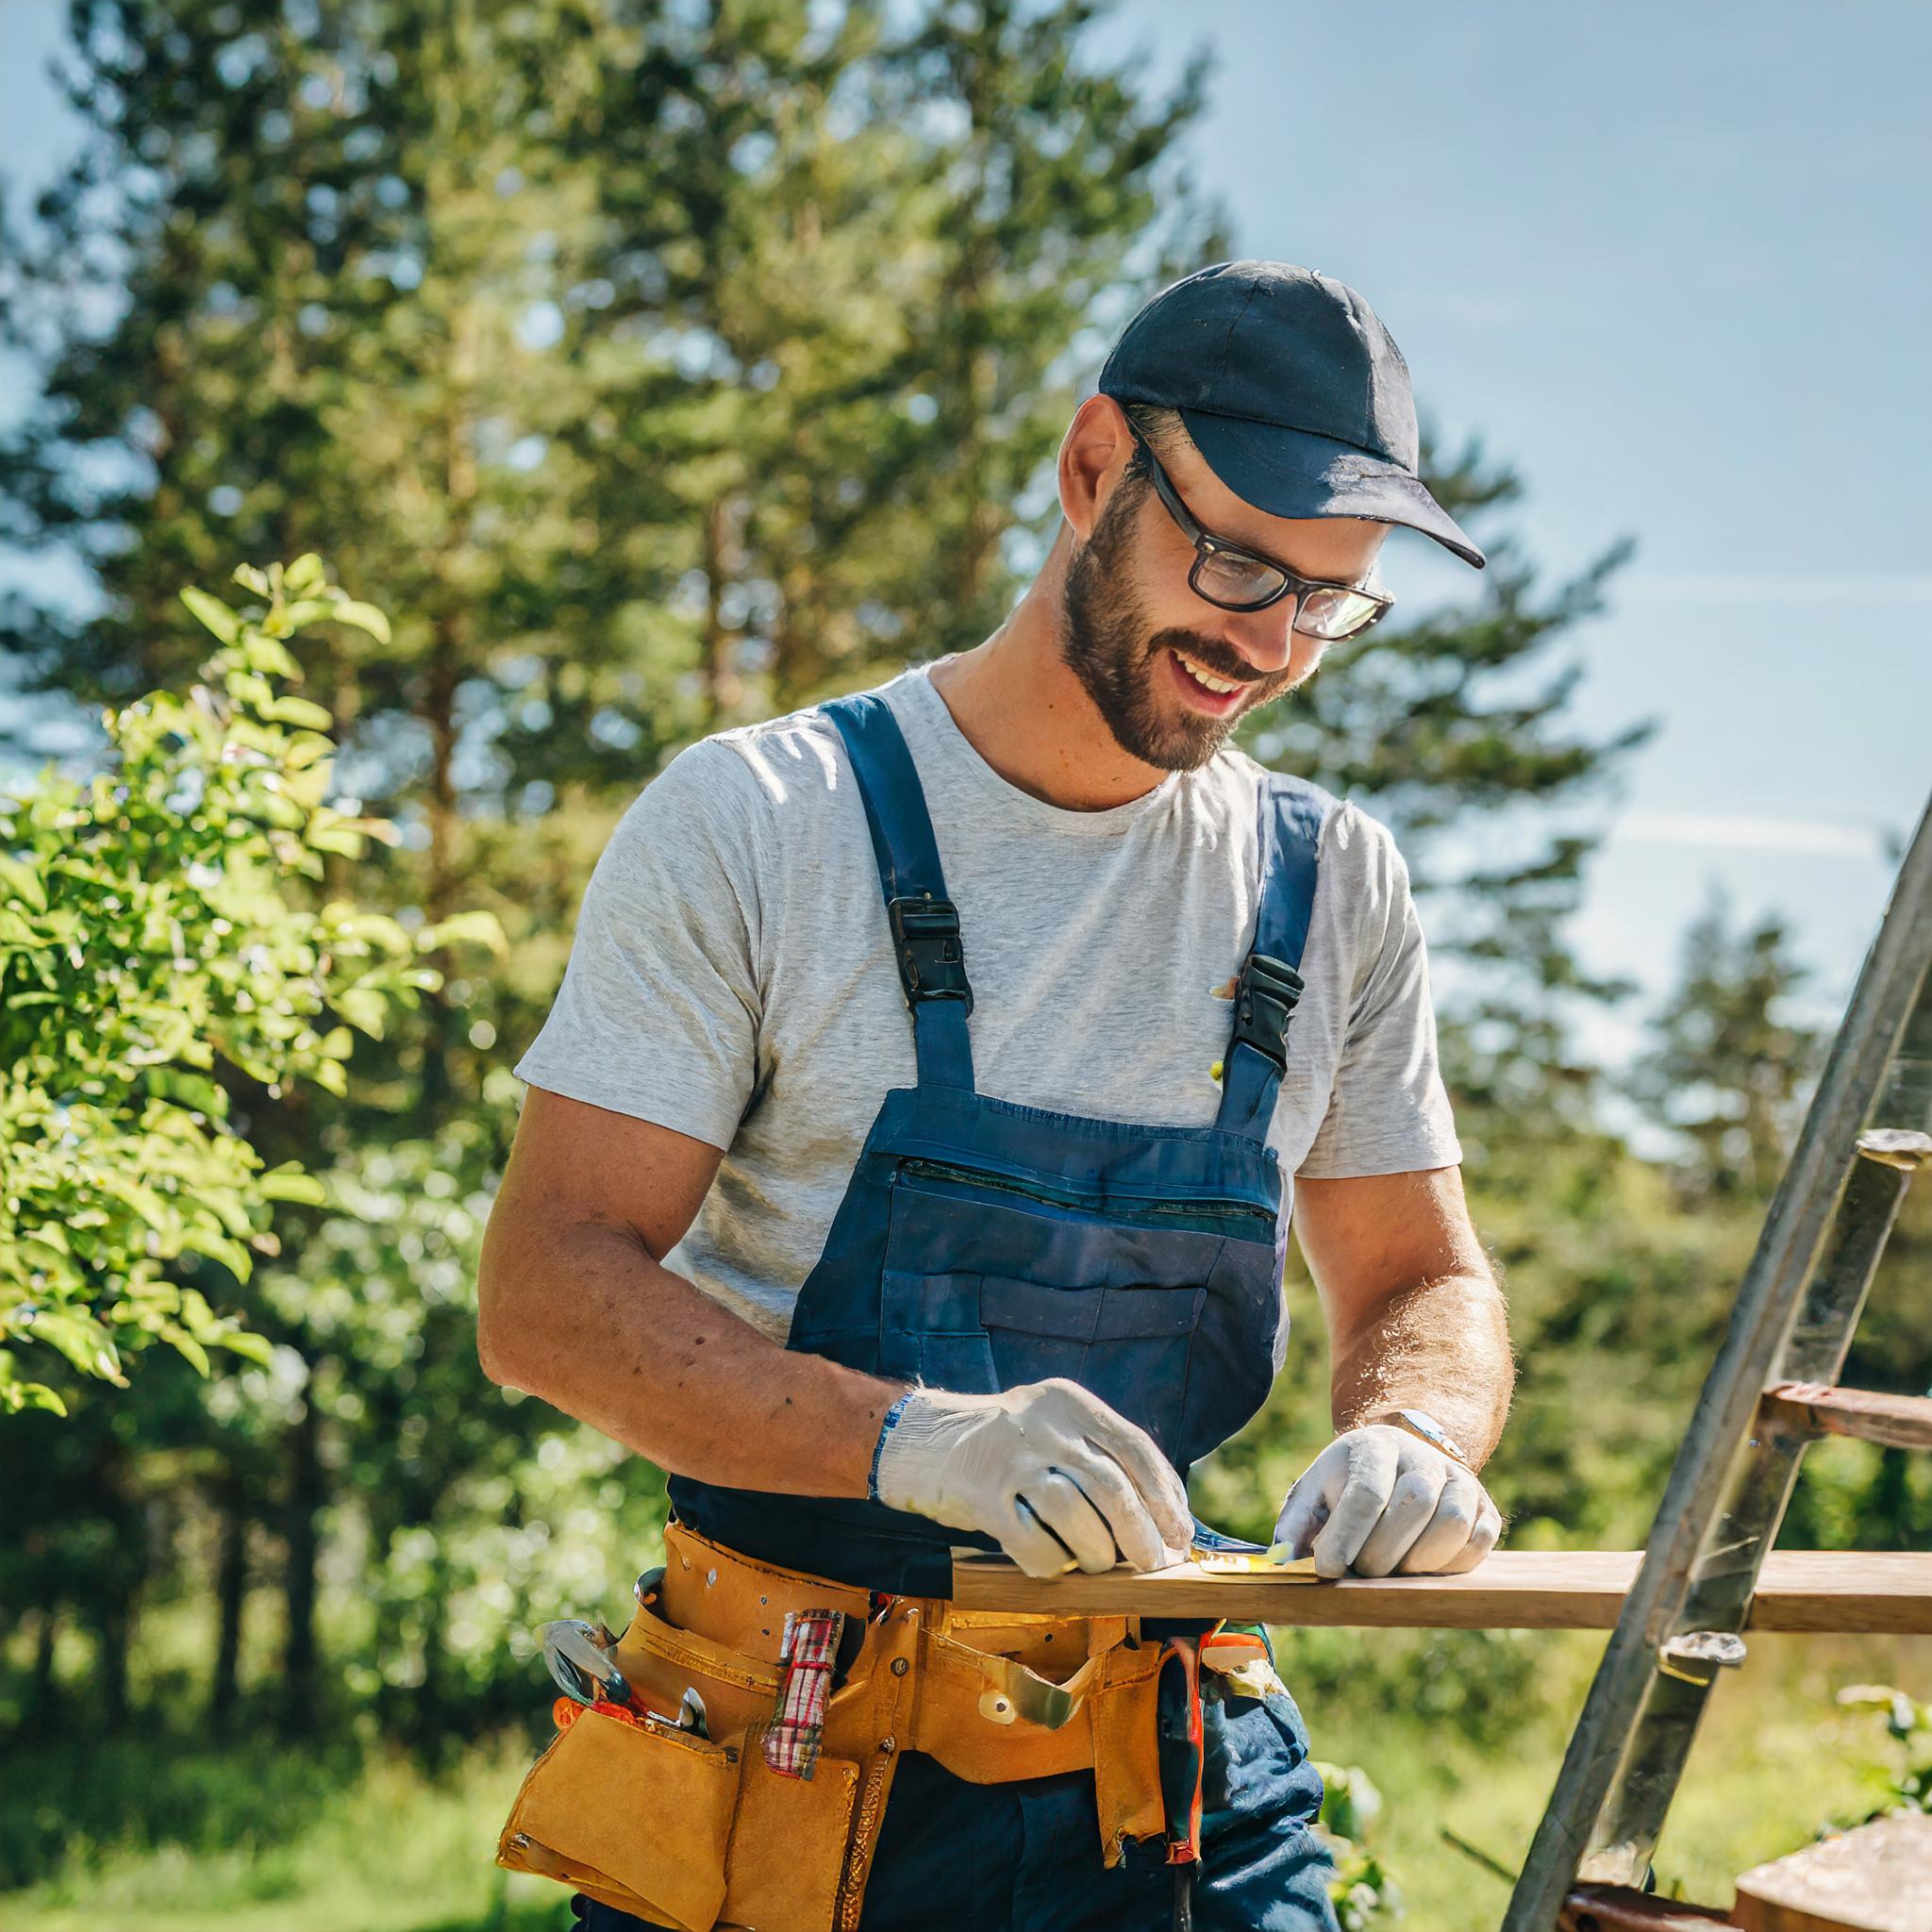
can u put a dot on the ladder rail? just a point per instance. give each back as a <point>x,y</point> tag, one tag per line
<point>1795,1314</point>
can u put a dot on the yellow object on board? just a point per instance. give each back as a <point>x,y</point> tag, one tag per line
<point>1255,1563</point>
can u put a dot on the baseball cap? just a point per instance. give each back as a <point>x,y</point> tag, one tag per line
<point>1292,391</point>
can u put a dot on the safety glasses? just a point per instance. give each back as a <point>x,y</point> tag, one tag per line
<point>1237,579</point>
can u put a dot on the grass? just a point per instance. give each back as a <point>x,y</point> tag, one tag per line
<point>1774,1759</point>
<point>390,1850</point>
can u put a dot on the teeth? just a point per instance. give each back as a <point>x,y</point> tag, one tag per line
<point>1207,677</point>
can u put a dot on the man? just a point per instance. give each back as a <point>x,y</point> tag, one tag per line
<point>907,1163</point>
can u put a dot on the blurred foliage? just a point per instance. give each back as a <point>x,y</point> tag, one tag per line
<point>1364,1893</point>
<point>152,926</point>
<point>1908,1724</point>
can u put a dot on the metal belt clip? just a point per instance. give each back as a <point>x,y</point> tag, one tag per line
<point>807,1651</point>
<point>1265,997</point>
<point>926,943</point>
<point>1706,1653</point>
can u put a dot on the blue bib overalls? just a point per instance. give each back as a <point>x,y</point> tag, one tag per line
<point>982,1244</point>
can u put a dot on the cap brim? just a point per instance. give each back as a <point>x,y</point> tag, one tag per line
<point>1291,472</point>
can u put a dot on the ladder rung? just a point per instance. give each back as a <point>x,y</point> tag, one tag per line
<point>1817,1408</point>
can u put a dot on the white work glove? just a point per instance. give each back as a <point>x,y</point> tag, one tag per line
<point>1378,1499</point>
<point>1057,1478</point>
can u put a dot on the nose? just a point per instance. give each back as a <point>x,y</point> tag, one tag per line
<point>1266,639</point>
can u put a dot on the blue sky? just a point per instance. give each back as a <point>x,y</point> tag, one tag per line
<point>1671,262</point>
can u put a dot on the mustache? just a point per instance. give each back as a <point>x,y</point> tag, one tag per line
<point>1210,659</point>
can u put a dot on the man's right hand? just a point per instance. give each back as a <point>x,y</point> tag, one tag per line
<point>1057,1478</point>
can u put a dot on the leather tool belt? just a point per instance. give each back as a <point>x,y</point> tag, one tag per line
<point>696,1827</point>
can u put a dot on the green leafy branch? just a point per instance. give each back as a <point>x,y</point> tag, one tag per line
<point>156,922</point>
<point>1908,1724</point>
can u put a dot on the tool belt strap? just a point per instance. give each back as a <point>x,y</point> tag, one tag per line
<point>995,1696</point>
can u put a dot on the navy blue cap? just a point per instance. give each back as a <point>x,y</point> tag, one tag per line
<point>1292,390</point>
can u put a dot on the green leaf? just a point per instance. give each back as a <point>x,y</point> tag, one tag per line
<point>376,929</point>
<point>304,575</point>
<point>213,613</point>
<point>363,1008</point>
<point>16,1396</point>
<point>300,711</point>
<point>290,1183</point>
<point>82,1340</point>
<point>185,1346</point>
<point>464,928</point>
<point>248,1346</point>
<point>219,1247</point>
<point>364,617</point>
<point>23,882</point>
<point>268,655</point>
<point>307,611</point>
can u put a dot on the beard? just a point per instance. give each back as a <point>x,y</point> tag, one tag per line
<point>1106,643</point>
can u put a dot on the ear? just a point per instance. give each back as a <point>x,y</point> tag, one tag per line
<point>1094,455</point>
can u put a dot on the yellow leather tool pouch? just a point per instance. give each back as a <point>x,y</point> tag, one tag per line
<point>637,1816</point>
<point>675,1827</point>
<point>661,1663</point>
<point>788,1842</point>
<point>1123,1713</point>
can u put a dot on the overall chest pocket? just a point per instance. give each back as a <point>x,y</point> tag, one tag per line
<point>987,1286</point>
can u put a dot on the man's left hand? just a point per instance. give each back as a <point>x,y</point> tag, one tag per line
<point>1379,1500</point>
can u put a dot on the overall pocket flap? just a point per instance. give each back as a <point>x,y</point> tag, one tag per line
<point>650,1809</point>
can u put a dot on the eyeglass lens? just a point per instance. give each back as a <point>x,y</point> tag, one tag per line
<point>1242,583</point>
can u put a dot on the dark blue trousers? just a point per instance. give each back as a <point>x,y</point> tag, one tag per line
<point>1025,1857</point>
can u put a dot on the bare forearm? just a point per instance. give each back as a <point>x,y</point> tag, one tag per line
<point>598,1328</point>
<point>1442,1346</point>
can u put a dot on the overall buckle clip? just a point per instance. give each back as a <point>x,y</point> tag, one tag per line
<point>1265,997</point>
<point>926,939</point>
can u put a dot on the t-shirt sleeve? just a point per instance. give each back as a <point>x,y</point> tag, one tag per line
<point>1388,1111</point>
<point>659,1008</point>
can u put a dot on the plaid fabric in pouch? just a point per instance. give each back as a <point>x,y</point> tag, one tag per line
<point>807,1651</point>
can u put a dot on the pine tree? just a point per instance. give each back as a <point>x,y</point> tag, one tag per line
<point>1730,1065</point>
<point>640,356</point>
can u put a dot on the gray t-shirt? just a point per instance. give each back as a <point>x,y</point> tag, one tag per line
<point>732,975</point>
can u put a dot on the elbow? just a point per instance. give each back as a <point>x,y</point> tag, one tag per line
<point>497,1330</point>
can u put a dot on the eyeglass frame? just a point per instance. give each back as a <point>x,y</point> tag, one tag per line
<point>1207,544</point>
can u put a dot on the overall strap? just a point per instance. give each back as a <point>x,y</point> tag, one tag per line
<point>924,922</point>
<point>1292,813</point>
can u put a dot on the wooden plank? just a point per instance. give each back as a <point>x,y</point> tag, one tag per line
<point>1899,1422</point>
<point>1877,1878</point>
<point>1512,1590</point>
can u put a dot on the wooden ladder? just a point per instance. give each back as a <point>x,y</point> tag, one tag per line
<point>1771,1392</point>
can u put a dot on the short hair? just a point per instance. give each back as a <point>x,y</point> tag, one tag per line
<point>1162,428</point>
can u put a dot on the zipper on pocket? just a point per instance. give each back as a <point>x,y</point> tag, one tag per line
<point>1144,1210</point>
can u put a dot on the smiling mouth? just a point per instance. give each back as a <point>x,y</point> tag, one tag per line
<point>1207,688</point>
